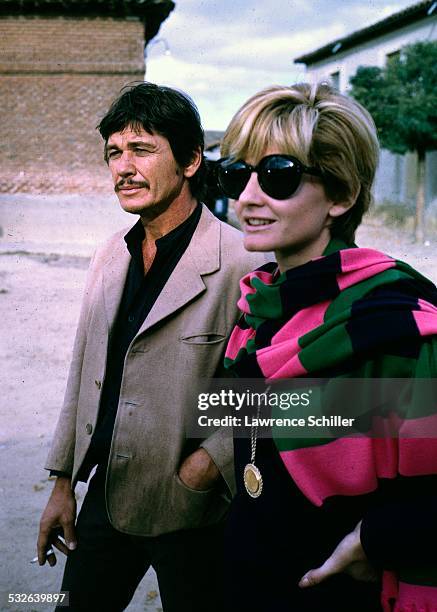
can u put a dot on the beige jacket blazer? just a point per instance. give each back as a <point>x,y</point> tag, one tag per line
<point>183,338</point>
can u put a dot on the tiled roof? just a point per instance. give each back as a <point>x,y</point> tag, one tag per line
<point>152,11</point>
<point>394,22</point>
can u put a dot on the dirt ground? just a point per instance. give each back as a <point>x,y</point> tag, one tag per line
<point>40,291</point>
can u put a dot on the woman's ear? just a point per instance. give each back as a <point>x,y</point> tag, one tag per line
<point>339,208</point>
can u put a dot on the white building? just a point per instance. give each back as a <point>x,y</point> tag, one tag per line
<point>374,46</point>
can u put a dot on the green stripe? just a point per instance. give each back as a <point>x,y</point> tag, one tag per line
<point>266,302</point>
<point>325,346</point>
<point>351,294</point>
<point>411,272</point>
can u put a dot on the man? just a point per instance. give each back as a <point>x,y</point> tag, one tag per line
<point>159,303</point>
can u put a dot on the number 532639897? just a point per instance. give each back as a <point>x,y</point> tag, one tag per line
<point>57,598</point>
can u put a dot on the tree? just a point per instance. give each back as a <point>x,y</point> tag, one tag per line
<point>402,98</point>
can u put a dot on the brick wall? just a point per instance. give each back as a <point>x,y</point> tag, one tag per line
<point>57,79</point>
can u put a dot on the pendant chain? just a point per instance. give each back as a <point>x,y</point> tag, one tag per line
<point>253,437</point>
<point>254,432</point>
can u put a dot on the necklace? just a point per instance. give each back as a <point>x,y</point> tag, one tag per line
<point>253,480</point>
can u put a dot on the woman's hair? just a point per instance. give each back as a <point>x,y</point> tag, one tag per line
<point>322,128</point>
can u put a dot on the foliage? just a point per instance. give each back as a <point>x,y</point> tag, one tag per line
<point>402,98</point>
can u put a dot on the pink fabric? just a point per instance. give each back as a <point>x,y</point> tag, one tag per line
<point>247,289</point>
<point>407,446</point>
<point>238,339</point>
<point>293,368</point>
<point>303,322</point>
<point>389,591</point>
<point>425,318</point>
<point>364,459</point>
<point>394,426</point>
<point>402,597</point>
<point>316,471</point>
<point>386,454</point>
<point>416,598</point>
<point>356,267</point>
<point>422,427</point>
<point>273,359</point>
<point>418,456</point>
<point>410,445</point>
<point>280,359</point>
<point>427,306</point>
<point>355,259</point>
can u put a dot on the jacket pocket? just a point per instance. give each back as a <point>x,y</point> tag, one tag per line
<point>180,482</point>
<point>196,508</point>
<point>207,337</point>
<point>189,505</point>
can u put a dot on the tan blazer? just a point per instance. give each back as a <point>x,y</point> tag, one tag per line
<point>182,338</point>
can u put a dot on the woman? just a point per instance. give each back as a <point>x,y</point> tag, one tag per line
<point>347,523</point>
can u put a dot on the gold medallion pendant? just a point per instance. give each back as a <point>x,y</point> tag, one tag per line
<point>253,480</point>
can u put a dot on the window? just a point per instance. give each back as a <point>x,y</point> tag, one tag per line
<point>394,55</point>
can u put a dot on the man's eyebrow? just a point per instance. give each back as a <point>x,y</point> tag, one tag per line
<point>135,143</point>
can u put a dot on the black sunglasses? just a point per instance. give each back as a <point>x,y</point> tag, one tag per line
<point>279,176</point>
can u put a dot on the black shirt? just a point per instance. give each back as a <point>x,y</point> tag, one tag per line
<point>139,295</point>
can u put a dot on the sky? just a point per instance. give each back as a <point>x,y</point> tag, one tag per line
<point>223,51</point>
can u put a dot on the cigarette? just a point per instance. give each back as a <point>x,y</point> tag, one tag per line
<point>49,551</point>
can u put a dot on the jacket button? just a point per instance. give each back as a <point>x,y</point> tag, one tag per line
<point>89,428</point>
<point>98,384</point>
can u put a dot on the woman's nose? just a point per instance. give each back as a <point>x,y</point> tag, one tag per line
<point>252,193</point>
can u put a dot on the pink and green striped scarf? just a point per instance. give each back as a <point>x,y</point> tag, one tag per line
<point>355,312</point>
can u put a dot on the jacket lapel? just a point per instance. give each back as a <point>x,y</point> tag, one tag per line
<point>202,256</point>
<point>114,278</point>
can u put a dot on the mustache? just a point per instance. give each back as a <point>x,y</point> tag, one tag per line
<point>130,183</point>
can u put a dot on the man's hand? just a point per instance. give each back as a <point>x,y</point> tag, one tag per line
<point>199,471</point>
<point>349,557</point>
<point>58,518</point>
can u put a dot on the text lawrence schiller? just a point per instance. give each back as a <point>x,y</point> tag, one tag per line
<point>310,421</point>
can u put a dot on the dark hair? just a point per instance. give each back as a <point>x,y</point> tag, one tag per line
<point>164,111</point>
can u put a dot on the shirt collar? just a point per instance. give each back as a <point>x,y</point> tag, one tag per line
<point>135,235</point>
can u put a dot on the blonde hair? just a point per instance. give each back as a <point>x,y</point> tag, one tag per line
<point>322,128</point>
